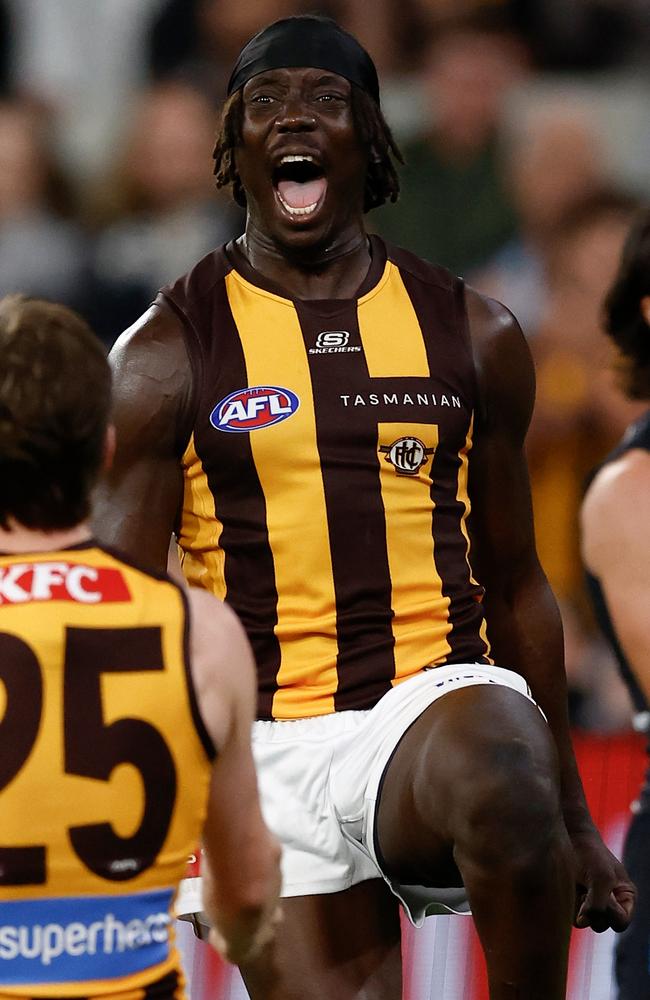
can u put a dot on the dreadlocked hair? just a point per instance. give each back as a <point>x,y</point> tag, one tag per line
<point>624,321</point>
<point>382,182</point>
<point>228,137</point>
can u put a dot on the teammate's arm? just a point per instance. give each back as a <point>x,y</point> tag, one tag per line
<point>524,624</point>
<point>240,865</point>
<point>616,550</point>
<point>138,500</point>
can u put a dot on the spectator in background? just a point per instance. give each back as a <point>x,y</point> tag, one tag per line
<point>41,250</point>
<point>553,160</point>
<point>579,413</point>
<point>454,207</point>
<point>616,548</point>
<point>80,59</point>
<point>159,210</point>
<point>586,35</point>
<point>589,35</point>
<point>198,40</point>
<point>554,275</point>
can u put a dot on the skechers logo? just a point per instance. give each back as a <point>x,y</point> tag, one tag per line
<point>333,342</point>
<point>254,408</point>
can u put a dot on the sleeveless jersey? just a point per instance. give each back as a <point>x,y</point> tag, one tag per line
<point>325,492</point>
<point>636,436</point>
<point>104,772</point>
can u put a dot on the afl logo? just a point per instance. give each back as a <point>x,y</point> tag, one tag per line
<point>254,408</point>
<point>407,455</point>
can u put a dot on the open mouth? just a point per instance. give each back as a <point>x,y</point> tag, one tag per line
<point>300,184</point>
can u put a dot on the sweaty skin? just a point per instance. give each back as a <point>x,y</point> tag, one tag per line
<point>479,785</point>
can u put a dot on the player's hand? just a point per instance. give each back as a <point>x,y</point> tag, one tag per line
<point>605,894</point>
<point>238,953</point>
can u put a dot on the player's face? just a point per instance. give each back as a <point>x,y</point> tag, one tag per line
<point>300,160</point>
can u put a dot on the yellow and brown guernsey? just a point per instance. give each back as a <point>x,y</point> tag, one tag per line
<point>104,775</point>
<point>325,477</point>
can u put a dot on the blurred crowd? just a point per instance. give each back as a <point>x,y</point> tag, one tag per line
<point>525,126</point>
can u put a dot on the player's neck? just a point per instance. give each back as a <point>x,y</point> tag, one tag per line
<point>334,271</point>
<point>17,538</point>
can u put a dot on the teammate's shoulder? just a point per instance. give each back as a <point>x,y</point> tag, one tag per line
<point>615,511</point>
<point>212,616</point>
<point>418,267</point>
<point>621,488</point>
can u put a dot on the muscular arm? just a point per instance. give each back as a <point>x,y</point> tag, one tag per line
<point>616,549</point>
<point>139,497</point>
<point>240,867</point>
<point>524,624</point>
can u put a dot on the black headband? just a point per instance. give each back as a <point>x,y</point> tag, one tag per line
<point>310,41</point>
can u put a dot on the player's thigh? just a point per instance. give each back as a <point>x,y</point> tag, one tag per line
<point>343,946</point>
<point>483,750</point>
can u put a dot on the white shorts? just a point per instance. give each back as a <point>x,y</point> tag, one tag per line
<point>319,779</point>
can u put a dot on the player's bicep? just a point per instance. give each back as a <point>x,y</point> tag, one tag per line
<point>523,621</point>
<point>138,498</point>
<point>498,482</point>
<point>501,505</point>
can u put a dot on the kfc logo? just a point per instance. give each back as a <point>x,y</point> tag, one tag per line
<point>21,583</point>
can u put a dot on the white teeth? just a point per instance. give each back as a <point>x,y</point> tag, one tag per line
<point>297,159</point>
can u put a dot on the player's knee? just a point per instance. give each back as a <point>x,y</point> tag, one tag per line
<point>508,813</point>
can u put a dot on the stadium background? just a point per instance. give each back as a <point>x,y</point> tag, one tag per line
<point>526,129</point>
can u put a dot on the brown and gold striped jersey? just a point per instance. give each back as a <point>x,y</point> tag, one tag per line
<point>104,772</point>
<point>325,477</point>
